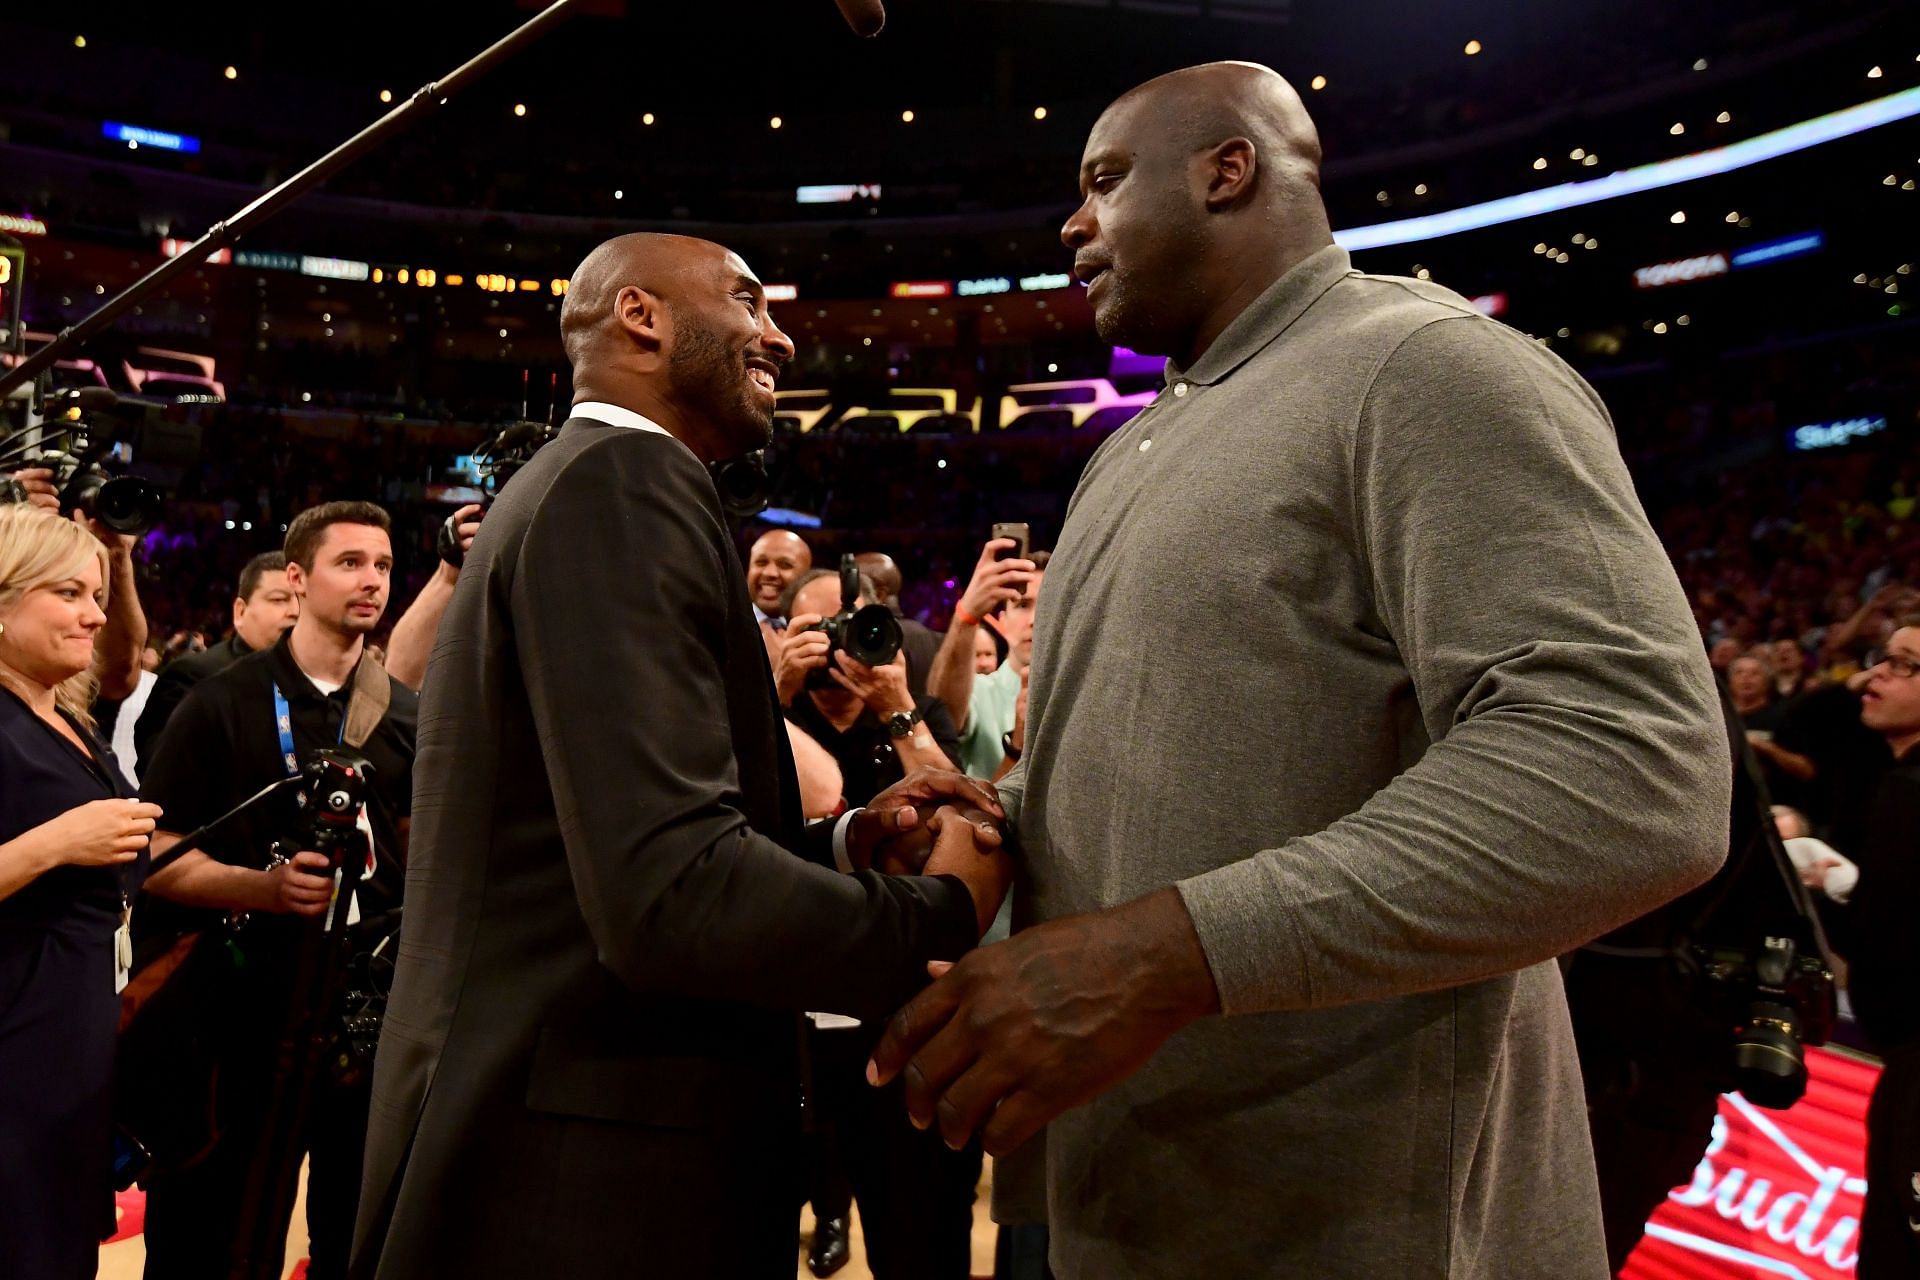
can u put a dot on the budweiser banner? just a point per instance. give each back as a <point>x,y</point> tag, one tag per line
<point>1778,1193</point>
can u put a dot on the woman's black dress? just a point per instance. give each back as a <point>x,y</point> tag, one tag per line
<point>58,1012</point>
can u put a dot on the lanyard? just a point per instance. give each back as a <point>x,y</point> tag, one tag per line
<point>283,721</point>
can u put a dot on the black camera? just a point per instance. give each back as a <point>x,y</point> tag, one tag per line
<point>333,787</point>
<point>86,431</point>
<point>870,635</point>
<point>1778,998</point>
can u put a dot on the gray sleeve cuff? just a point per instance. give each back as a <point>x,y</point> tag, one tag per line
<point>1250,940</point>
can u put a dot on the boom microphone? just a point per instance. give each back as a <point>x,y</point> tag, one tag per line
<point>866,17</point>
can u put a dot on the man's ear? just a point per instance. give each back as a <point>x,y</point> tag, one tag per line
<point>296,580</point>
<point>643,317</point>
<point>1230,170</point>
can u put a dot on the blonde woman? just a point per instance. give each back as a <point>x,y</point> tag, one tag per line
<point>72,851</point>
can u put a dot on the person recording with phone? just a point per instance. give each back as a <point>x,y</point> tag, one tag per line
<point>253,724</point>
<point>72,850</point>
<point>1002,594</point>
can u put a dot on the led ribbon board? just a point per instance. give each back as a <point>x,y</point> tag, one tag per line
<point>1647,177</point>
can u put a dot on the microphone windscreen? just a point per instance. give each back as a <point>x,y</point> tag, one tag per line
<point>866,17</point>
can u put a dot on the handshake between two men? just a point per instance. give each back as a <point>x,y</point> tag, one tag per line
<point>1017,1032</point>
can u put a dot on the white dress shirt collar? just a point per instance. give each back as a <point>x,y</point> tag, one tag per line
<point>614,416</point>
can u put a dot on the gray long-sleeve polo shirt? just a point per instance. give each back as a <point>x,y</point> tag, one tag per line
<point>1359,636</point>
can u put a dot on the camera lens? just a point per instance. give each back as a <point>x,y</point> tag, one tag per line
<point>873,636</point>
<point>1768,1062</point>
<point>127,504</point>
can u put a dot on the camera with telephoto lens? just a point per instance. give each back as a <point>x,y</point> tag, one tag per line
<point>1778,998</point>
<point>870,635</point>
<point>88,435</point>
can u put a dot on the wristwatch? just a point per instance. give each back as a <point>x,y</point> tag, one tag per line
<point>901,723</point>
<point>1007,748</point>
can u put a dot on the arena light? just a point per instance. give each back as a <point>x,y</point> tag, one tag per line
<point>1045,282</point>
<point>22,224</point>
<point>921,289</point>
<point>1682,271</point>
<point>334,268</point>
<point>140,136</point>
<point>1830,435</point>
<point>1778,250</point>
<point>837,193</point>
<point>984,286</point>
<point>172,247</point>
<point>1647,177</point>
<point>782,292</point>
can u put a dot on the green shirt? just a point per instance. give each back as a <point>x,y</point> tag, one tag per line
<point>989,715</point>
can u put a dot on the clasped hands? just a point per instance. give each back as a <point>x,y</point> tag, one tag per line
<point>1015,1033</point>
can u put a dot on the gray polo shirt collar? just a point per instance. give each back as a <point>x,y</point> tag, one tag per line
<point>1266,317</point>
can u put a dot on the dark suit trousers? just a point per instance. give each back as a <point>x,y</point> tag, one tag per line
<point>916,1195</point>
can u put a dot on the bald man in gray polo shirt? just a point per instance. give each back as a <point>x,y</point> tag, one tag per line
<point>1296,863</point>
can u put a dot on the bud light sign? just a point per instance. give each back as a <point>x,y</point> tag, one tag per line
<point>1778,1193</point>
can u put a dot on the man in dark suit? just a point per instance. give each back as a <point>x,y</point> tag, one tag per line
<point>591,1055</point>
<point>265,607</point>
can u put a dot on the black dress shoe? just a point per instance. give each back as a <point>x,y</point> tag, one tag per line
<point>830,1247</point>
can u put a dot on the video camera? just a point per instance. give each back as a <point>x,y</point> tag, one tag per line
<point>741,482</point>
<point>176,1010</point>
<point>870,635</point>
<point>86,431</point>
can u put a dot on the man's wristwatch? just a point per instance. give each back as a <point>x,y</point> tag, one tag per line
<point>1007,748</point>
<point>901,723</point>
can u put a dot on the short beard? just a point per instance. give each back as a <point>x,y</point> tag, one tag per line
<point>709,378</point>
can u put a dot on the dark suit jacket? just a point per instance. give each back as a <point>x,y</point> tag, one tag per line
<point>591,1051</point>
<point>172,684</point>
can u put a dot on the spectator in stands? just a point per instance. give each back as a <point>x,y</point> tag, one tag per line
<point>920,641</point>
<point>1790,676</point>
<point>72,850</point>
<point>1871,923</point>
<point>983,705</point>
<point>916,1195</point>
<point>1750,685</point>
<point>263,609</point>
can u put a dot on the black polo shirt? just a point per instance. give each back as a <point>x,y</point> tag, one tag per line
<point>864,750</point>
<point>222,745</point>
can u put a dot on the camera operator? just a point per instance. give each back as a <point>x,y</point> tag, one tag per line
<point>235,733</point>
<point>916,1195</point>
<point>1006,591</point>
<point>411,643</point>
<point>71,853</point>
<point>1871,923</point>
<point>263,609</point>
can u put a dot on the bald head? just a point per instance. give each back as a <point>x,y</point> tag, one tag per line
<point>1197,108</point>
<point>1200,188</point>
<point>777,558</point>
<point>655,263</point>
<point>880,569</point>
<point>676,329</point>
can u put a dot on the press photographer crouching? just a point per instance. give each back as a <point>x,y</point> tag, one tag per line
<point>224,998</point>
<point>72,851</point>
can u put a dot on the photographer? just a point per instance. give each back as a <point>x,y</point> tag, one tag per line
<point>237,732</point>
<point>71,853</point>
<point>915,1194</point>
<point>263,610</point>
